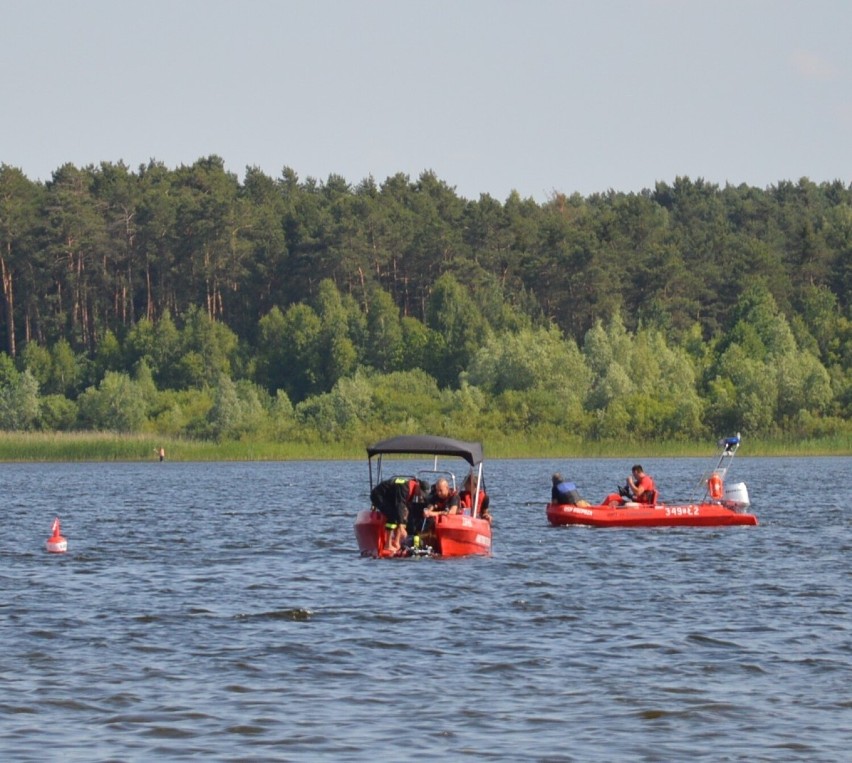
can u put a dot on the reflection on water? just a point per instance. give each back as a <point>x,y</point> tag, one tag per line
<point>221,611</point>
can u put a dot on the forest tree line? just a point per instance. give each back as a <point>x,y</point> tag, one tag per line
<point>186,302</point>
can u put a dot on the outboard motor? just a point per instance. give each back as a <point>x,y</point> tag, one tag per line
<point>736,496</point>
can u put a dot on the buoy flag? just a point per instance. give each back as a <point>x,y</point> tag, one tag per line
<point>56,544</point>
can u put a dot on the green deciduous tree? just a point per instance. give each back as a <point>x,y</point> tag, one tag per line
<point>342,411</point>
<point>117,404</point>
<point>289,351</point>
<point>340,321</point>
<point>530,358</point>
<point>226,415</point>
<point>19,399</point>
<point>453,316</point>
<point>404,401</point>
<point>384,350</point>
<point>66,370</point>
<point>211,345</point>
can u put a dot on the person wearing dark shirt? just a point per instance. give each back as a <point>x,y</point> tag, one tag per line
<point>442,500</point>
<point>565,492</point>
<point>393,498</point>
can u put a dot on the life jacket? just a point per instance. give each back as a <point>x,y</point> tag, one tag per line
<point>649,489</point>
<point>566,492</point>
<point>466,501</point>
<point>392,496</point>
<point>411,487</point>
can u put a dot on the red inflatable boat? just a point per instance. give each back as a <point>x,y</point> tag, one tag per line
<point>720,506</point>
<point>643,515</point>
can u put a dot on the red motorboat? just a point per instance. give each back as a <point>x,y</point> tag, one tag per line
<point>720,505</point>
<point>459,534</point>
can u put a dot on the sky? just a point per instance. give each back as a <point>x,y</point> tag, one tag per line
<point>536,97</point>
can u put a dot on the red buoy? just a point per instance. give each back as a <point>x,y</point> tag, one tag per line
<point>56,544</point>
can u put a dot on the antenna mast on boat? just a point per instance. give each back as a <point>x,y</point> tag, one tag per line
<point>728,446</point>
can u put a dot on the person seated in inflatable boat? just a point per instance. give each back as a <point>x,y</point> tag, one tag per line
<point>565,492</point>
<point>640,488</point>
<point>641,485</point>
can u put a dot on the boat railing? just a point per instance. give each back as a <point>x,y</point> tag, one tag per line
<point>433,475</point>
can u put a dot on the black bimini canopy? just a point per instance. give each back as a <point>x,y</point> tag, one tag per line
<point>428,444</point>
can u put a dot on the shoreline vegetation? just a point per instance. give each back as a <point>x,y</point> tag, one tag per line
<point>21,447</point>
<point>301,318</point>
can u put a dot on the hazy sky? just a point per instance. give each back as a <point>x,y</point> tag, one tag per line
<point>536,96</point>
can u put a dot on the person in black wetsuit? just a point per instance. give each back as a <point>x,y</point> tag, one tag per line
<point>393,498</point>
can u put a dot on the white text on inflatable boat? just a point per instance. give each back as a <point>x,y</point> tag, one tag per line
<point>682,511</point>
<point>578,510</point>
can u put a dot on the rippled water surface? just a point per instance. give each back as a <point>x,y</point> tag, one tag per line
<point>221,612</point>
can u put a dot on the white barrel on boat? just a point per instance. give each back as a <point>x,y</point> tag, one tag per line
<point>737,495</point>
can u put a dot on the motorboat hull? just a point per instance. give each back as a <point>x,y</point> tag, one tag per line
<point>461,535</point>
<point>453,535</point>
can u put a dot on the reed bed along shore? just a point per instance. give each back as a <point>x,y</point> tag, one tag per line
<point>110,446</point>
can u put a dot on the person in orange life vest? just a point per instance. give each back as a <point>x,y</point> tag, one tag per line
<point>639,488</point>
<point>393,498</point>
<point>466,497</point>
<point>442,500</point>
<point>641,485</point>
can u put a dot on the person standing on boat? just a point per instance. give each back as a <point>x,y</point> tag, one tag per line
<point>641,485</point>
<point>565,492</point>
<point>393,498</point>
<point>466,498</point>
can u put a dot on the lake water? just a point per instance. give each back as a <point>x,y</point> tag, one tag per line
<point>221,612</point>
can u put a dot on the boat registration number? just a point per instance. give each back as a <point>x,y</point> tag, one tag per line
<point>682,511</point>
